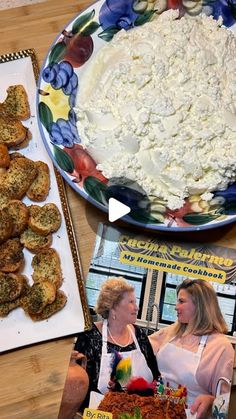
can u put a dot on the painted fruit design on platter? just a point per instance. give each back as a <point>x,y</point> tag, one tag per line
<point>72,50</point>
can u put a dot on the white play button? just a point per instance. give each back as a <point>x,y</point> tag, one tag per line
<point>116,210</point>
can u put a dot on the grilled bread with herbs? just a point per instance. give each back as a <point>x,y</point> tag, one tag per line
<point>11,255</point>
<point>4,158</point>
<point>39,296</point>
<point>16,103</point>
<point>21,226</point>
<point>19,214</point>
<point>4,198</point>
<point>12,131</point>
<point>6,225</point>
<point>5,308</point>
<point>39,188</point>
<point>25,142</point>
<point>11,286</point>
<point>52,308</point>
<point>35,242</point>
<point>16,155</point>
<point>47,266</point>
<point>18,178</point>
<point>46,220</point>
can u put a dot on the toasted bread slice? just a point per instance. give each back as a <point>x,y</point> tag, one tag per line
<point>4,198</point>
<point>18,178</point>
<point>25,142</point>
<point>11,286</point>
<point>15,155</point>
<point>6,225</point>
<point>39,296</point>
<point>34,210</point>
<point>35,242</point>
<point>19,214</point>
<point>47,266</point>
<point>12,131</point>
<point>39,188</point>
<point>16,103</point>
<point>47,220</point>
<point>11,255</point>
<point>4,158</point>
<point>52,308</point>
<point>5,308</point>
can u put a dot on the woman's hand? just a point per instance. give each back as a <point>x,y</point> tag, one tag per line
<point>202,406</point>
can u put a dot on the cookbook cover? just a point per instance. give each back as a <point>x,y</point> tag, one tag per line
<point>155,267</point>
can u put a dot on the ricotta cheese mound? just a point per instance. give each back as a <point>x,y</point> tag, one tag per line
<point>157,105</point>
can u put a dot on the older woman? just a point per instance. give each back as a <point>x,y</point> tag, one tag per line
<point>118,333</point>
<point>194,351</point>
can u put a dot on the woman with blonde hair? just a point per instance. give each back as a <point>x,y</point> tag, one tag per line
<point>194,350</point>
<point>116,334</point>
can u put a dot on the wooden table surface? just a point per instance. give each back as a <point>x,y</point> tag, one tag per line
<point>32,379</point>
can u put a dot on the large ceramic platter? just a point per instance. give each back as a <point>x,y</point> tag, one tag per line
<point>62,71</point>
<point>17,328</point>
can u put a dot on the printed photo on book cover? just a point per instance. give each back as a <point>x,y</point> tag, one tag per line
<point>162,336</point>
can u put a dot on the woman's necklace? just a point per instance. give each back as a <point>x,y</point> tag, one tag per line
<point>118,344</point>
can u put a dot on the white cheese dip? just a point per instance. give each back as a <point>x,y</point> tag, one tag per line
<point>157,105</point>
